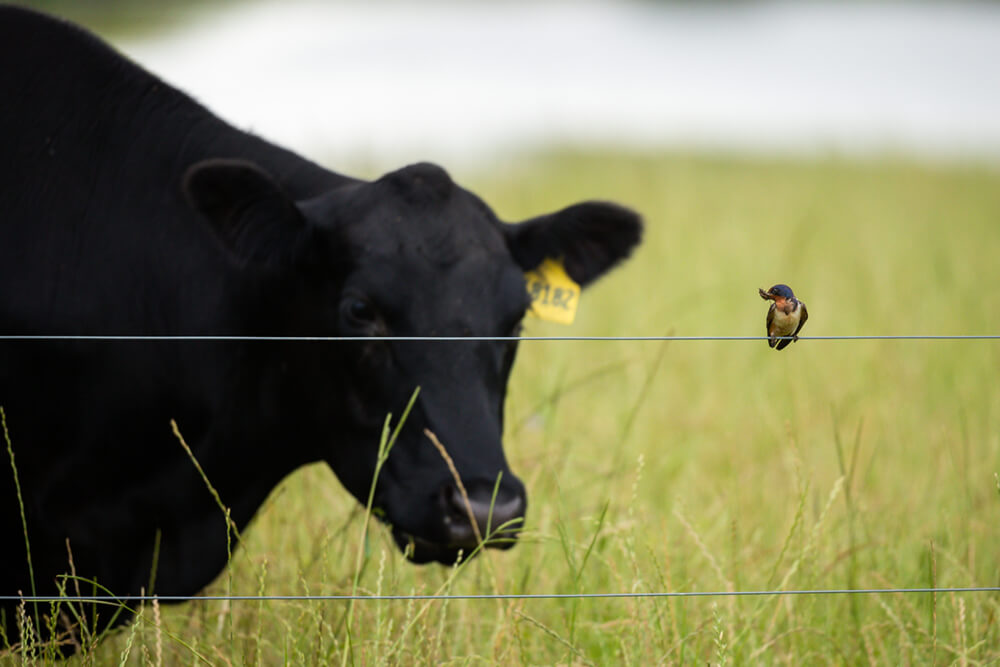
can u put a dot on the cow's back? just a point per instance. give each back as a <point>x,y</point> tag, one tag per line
<point>97,236</point>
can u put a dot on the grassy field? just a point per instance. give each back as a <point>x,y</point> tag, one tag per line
<point>694,466</point>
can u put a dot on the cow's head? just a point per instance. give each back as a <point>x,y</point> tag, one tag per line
<point>411,254</point>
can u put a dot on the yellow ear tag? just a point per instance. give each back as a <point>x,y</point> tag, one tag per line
<point>553,293</point>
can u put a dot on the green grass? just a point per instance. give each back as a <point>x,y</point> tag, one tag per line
<point>694,466</point>
<point>126,18</point>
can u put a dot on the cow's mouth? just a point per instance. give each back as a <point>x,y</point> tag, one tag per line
<point>455,522</point>
<point>419,550</point>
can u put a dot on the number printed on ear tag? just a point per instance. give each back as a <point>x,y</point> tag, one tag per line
<point>553,293</point>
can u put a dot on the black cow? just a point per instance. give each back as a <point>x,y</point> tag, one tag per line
<point>128,209</point>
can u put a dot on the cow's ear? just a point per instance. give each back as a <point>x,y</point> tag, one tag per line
<point>591,238</point>
<point>255,220</point>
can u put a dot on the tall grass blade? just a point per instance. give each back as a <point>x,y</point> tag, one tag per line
<point>385,445</point>
<point>20,505</point>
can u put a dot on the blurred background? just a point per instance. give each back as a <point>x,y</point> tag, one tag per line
<point>393,82</point>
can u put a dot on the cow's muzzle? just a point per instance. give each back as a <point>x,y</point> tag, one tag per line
<point>473,514</point>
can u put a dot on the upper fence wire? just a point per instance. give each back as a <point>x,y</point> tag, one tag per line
<point>59,337</point>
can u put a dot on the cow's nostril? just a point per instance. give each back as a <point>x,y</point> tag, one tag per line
<point>454,502</point>
<point>498,518</point>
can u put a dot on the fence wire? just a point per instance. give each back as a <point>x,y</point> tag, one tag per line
<point>486,596</point>
<point>491,596</point>
<point>324,339</point>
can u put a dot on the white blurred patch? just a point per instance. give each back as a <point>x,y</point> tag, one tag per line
<point>406,81</point>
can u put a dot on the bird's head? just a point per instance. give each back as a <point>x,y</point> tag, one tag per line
<point>778,292</point>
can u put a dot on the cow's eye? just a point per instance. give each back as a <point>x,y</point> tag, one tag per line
<point>358,312</point>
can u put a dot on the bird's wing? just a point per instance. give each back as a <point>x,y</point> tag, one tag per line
<point>802,320</point>
<point>770,319</point>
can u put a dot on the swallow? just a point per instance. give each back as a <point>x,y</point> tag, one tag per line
<point>785,317</point>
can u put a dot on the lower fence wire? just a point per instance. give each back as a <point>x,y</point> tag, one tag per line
<point>489,596</point>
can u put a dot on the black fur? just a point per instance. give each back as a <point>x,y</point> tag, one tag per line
<point>128,209</point>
